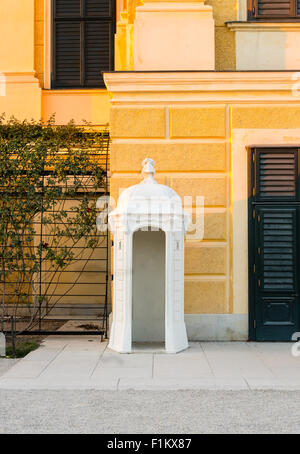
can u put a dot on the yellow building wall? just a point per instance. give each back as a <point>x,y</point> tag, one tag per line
<point>80,105</point>
<point>191,142</point>
<point>22,95</point>
<point>192,156</point>
<point>24,51</point>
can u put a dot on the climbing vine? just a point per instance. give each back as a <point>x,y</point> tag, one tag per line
<point>49,178</point>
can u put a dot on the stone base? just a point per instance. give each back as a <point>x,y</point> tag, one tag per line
<point>214,327</point>
<point>217,327</point>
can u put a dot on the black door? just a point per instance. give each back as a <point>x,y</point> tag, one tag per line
<point>274,211</point>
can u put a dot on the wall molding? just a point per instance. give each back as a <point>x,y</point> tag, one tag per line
<point>47,43</point>
<point>240,26</point>
<point>20,77</point>
<point>192,87</point>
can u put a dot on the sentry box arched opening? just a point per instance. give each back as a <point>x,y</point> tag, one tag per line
<point>149,225</point>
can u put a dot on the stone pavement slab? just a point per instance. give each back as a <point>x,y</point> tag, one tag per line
<point>121,372</point>
<point>183,384</point>
<point>59,384</point>
<point>182,366</point>
<point>282,384</point>
<point>6,364</point>
<point>70,362</point>
<point>236,359</point>
<point>26,369</point>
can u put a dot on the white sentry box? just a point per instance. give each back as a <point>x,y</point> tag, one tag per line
<point>149,225</point>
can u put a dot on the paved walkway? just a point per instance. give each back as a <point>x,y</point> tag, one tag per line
<point>68,362</point>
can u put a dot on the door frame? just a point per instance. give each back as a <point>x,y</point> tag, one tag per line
<point>251,244</point>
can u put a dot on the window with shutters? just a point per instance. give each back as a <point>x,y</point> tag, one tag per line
<point>83,42</point>
<point>274,10</point>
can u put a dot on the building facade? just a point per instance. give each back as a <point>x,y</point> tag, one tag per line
<point>211,91</point>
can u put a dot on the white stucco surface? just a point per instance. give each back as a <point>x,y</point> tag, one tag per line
<point>266,45</point>
<point>174,36</point>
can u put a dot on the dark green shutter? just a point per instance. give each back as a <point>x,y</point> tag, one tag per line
<point>83,42</point>
<point>276,174</point>
<point>275,9</point>
<point>274,244</point>
<point>67,54</point>
<point>276,275</point>
<point>97,51</point>
<point>278,252</point>
<point>98,8</point>
<point>67,8</point>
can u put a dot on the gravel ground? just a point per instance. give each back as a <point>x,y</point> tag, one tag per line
<point>115,412</point>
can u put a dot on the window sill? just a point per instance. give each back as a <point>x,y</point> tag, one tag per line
<point>72,91</point>
<point>263,26</point>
